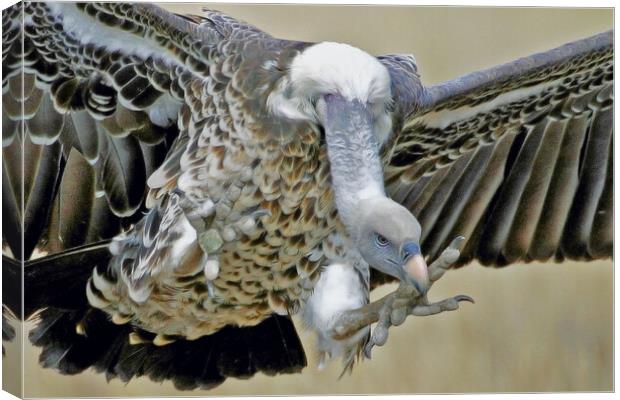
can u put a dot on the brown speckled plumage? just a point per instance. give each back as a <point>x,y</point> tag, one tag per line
<point>229,152</point>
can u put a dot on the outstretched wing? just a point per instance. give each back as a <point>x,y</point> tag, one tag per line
<point>517,158</point>
<point>96,98</point>
<point>91,95</point>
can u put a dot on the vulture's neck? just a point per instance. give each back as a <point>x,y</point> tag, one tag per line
<point>356,168</point>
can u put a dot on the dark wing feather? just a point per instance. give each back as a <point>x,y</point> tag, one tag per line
<point>123,174</point>
<point>116,107</point>
<point>516,158</point>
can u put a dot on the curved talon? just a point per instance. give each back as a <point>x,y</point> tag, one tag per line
<point>379,336</point>
<point>456,242</point>
<point>368,350</point>
<point>464,297</point>
<point>450,304</point>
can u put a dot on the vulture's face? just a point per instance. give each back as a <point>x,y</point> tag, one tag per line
<point>389,240</point>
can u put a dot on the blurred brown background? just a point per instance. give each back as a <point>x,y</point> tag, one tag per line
<point>539,327</point>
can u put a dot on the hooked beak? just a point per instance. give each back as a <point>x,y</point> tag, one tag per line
<point>415,268</point>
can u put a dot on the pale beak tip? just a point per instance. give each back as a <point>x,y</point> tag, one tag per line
<point>417,271</point>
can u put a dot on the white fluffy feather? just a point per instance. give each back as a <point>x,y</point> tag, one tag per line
<point>328,67</point>
<point>338,289</point>
<point>334,68</point>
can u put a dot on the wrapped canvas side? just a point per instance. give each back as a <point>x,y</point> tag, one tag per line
<point>15,189</point>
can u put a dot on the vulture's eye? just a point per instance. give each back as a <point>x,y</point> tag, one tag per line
<point>381,241</point>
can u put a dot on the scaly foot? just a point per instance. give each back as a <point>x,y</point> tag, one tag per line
<point>393,309</point>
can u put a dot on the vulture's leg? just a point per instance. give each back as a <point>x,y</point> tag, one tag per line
<point>340,288</point>
<point>393,309</point>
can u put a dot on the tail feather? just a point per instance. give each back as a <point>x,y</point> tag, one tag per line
<point>11,298</point>
<point>63,348</point>
<point>60,280</point>
<point>271,347</point>
<point>56,300</point>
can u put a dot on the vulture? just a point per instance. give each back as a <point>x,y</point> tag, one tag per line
<point>175,188</point>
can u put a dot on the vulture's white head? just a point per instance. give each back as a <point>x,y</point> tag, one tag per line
<point>330,68</point>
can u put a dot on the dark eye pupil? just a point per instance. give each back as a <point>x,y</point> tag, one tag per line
<point>381,240</point>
